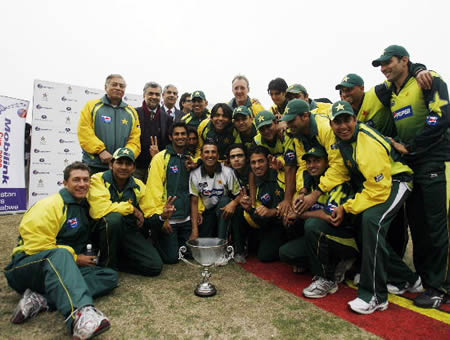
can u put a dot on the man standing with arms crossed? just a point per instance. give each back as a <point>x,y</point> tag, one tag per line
<point>421,119</point>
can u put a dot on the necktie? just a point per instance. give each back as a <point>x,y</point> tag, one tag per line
<point>169,112</point>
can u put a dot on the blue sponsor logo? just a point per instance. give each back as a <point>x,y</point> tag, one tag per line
<point>106,119</point>
<point>265,199</point>
<point>290,156</point>
<point>174,169</point>
<point>432,120</point>
<point>403,113</point>
<point>72,222</point>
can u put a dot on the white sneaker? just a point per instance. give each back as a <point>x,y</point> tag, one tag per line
<point>89,322</point>
<point>362,307</point>
<point>320,288</point>
<point>29,306</point>
<point>415,288</point>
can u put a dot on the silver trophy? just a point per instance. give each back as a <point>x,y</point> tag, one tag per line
<point>208,252</point>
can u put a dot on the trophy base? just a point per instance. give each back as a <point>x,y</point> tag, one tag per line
<point>205,289</point>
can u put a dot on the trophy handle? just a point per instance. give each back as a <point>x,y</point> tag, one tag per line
<point>230,253</point>
<point>181,253</point>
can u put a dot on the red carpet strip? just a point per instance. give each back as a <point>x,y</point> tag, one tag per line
<point>402,320</point>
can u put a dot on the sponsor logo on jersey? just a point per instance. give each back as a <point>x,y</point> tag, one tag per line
<point>213,192</point>
<point>432,120</point>
<point>72,222</point>
<point>106,119</point>
<point>379,177</point>
<point>289,156</point>
<point>174,169</point>
<point>265,199</point>
<point>403,113</point>
<point>334,146</point>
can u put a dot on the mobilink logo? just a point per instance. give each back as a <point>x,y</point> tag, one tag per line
<point>65,99</point>
<point>36,172</point>
<point>66,150</point>
<point>42,160</point>
<point>68,108</point>
<point>37,128</point>
<point>403,113</point>
<point>44,116</point>
<point>62,141</point>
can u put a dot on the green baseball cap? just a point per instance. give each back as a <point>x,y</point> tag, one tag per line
<point>316,151</point>
<point>198,94</point>
<point>350,80</point>
<point>124,152</point>
<point>341,107</point>
<point>264,118</point>
<point>242,110</point>
<point>295,107</point>
<point>389,52</point>
<point>296,88</point>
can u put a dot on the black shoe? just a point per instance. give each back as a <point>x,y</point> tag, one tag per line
<point>431,298</point>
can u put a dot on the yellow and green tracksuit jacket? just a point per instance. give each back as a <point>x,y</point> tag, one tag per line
<point>319,107</point>
<point>207,132</point>
<point>321,134</point>
<point>192,120</point>
<point>374,110</point>
<point>253,104</point>
<point>276,149</point>
<point>104,196</point>
<point>421,118</point>
<point>372,163</point>
<point>168,176</point>
<point>58,221</point>
<point>104,127</point>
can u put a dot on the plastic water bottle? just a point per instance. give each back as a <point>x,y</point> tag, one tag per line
<point>91,252</point>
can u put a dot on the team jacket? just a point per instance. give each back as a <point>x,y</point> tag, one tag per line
<point>192,120</point>
<point>104,196</point>
<point>57,221</point>
<point>421,118</point>
<point>321,135</point>
<point>269,192</point>
<point>207,132</point>
<point>104,127</point>
<point>168,176</point>
<point>372,163</point>
<point>319,107</point>
<point>253,104</point>
<point>374,113</point>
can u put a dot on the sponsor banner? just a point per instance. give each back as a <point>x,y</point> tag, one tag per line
<point>54,139</point>
<point>13,113</point>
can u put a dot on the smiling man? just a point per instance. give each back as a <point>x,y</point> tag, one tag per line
<point>382,183</point>
<point>107,124</point>
<point>53,237</point>
<point>199,110</point>
<point>214,187</point>
<point>155,124</point>
<point>422,120</point>
<point>116,198</point>
<point>240,87</point>
<point>243,122</point>
<point>167,195</point>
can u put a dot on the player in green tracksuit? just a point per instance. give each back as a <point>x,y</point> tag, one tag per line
<point>169,181</point>
<point>244,124</point>
<point>264,216</point>
<point>116,200</point>
<point>49,258</point>
<point>382,183</point>
<point>199,110</point>
<point>316,219</point>
<point>421,119</point>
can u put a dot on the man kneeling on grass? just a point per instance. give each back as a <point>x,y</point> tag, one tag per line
<point>116,200</point>
<point>48,265</point>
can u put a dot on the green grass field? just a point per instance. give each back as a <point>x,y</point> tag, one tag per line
<point>165,307</point>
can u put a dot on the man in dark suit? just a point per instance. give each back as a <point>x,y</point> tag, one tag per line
<point>170,96</point>
<point>155,124</point>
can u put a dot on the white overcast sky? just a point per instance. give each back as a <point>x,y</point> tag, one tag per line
<point>202,44</point>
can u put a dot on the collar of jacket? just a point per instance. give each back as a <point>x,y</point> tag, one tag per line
<point>106,101</point>
<point>234,105</point>
<point>203,116</point>
<point>217,170</point>
<point>69,199</point>
<point>171,151</point>
<point>108,177</point>
<point>148,111</point>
